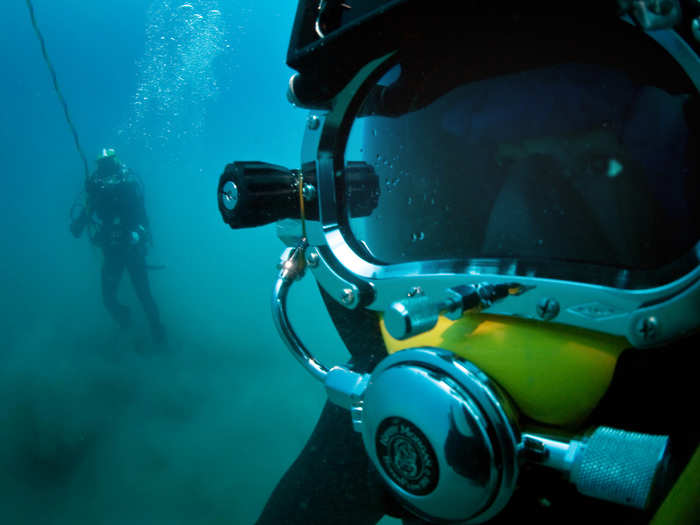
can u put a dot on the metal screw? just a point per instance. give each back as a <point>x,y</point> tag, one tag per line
<point>312,259</point>
<point>415,290</point>
<point>230,195</point>
<point>313,122</point>
<point>695,27</point>
<point>347,296</point>
<point>548,308</point>
<point>648,328</point>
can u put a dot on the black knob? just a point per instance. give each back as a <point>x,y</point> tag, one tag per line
<point>252,193</point>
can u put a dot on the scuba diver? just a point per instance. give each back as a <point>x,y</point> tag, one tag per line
<point>500,205</point>
<point>116,220</point>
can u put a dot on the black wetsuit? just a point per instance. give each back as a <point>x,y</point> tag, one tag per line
<point>122,231</point>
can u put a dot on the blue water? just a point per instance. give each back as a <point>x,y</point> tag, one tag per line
<point>98,425</point>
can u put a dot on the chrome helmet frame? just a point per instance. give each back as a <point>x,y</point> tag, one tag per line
<point>645,317</point>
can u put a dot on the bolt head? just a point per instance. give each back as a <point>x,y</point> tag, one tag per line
<point>347,296</point>
<point>312,259</point>
<point>648,328</point>
<point>695,27</point>
<point>229,195</point>
<point>415,290</point>
<point>547,308</point>
<point>313,122</point>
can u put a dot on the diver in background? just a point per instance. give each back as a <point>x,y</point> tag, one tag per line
<point>538,218</point>
<point>116,219</point>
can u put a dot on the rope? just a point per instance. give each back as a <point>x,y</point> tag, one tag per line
<point>57,89</point>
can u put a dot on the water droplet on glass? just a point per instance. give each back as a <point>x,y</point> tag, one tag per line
<point>614,168</point>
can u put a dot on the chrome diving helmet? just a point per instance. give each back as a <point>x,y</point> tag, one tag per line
<point>511,192</point>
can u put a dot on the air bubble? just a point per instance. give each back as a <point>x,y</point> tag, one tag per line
<point>176,70</point>
<point>614,168</point>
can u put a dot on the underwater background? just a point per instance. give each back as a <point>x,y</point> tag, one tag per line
<point>98,425</point>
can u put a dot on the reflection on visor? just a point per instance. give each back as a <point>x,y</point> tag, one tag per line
<point>567,164</point>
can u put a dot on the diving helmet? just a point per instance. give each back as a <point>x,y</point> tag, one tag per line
<point>110,171</point>
<point>512,195</point>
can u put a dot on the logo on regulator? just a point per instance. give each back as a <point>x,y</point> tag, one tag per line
<point>406,455</point>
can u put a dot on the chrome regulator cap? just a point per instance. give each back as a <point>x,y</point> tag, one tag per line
<point>441,435</point>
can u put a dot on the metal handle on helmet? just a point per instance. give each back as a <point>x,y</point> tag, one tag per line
<point>343,386</point>
<point>292,267</point>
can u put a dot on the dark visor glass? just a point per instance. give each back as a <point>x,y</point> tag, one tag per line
<point>575,169</point>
